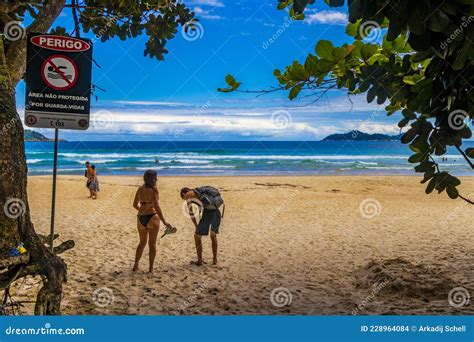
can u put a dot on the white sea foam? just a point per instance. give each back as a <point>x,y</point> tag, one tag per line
<point>34,161</point>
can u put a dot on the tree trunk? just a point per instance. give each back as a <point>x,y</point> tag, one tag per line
<point>15,223</point>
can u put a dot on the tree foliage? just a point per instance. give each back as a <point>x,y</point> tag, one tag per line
<point>422,66</point>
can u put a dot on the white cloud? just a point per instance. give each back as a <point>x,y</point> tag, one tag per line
<point>154,122</point>
<point>150,103</point>
<point>327,17</point>
<point>206,14</point>
<point>159,120</point>
<point>372,127</point>
<point>214,3</point>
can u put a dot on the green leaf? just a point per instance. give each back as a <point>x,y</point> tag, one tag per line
<point>368,51</point>
<point>224,90</point>
<point>409,80</point>
<point>230,80</point>
<point>403,122</point>
<point>371,94</point>
<point>335,3</point>
<point>297,72</point>
<point>352,29</point>
<point>408,136</point>
<point>452,191</point>
<point>415,158</point>
<point>324,49</point>
<point>295,91</point>
<point>311,65</point>
<point>431,186</point>
<point>438,21</point>
<point>338,54</point>
<point>233,85</point>
<point>470,152</point>
<point>462,57</point>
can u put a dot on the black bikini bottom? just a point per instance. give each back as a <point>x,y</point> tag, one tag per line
<point>145,219</point>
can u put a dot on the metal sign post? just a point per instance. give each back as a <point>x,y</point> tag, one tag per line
<point>53,200</point>
<point>58,90</point>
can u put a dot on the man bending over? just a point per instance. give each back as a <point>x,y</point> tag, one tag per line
<point>209,201</point>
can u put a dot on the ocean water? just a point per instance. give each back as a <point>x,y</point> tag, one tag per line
<point>232,158</point>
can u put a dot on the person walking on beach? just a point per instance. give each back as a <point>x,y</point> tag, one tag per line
<point>93,182</point>
<point>149,215</point>
<point>209,200</point>
<point>87,174</point>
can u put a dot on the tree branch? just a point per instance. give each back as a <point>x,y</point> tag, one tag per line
<point>463,154</point>
<point>12,261</point>
<point>8,8</point>
<point>77,29</point>
<point>16,53</point>
<point>67,245</point>
<point>46,238</point>
<point>466,199</point>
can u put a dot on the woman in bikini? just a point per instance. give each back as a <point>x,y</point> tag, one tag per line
<point>149,216</point>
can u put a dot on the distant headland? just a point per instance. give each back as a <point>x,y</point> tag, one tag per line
<point>32,136</point>
<point>361,136</point>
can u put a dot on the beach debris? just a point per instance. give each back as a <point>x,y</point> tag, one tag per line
<point>17,251</point>
<point>169,230</point>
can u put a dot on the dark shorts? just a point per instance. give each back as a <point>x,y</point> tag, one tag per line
<point>210,219</point>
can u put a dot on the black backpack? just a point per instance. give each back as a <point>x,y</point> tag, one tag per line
<point>209,196</point>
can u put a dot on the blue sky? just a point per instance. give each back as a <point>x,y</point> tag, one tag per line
<point>176,99</point>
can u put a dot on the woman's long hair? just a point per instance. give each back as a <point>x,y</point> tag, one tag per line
<point>150,177</point>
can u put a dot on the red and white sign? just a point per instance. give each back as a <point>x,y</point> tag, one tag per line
<point>59,72</point>
<point>58,81</point>
<point>60,43</point>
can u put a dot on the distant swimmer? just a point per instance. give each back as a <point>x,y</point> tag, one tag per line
<point>157,161</point>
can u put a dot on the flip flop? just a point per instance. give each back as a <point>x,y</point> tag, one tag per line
<point>170,230</point>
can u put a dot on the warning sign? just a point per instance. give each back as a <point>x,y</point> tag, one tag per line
<point>58,82</point>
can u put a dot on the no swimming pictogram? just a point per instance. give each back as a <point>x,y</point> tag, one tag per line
<point>59,72</point>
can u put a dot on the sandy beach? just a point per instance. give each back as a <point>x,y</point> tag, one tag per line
<point>288,245</point>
